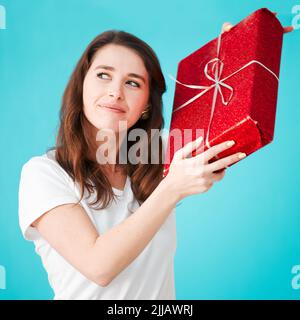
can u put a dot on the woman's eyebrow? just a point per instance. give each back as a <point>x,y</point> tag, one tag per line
<point>135,75</point>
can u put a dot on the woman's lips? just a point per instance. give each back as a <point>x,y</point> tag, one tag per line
<point>112,109</point>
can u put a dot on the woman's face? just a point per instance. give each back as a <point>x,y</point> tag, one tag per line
<point>117,78</point>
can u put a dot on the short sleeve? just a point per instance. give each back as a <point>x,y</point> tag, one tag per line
<point>43,186</point>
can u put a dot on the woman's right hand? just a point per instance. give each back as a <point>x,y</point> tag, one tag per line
<point>195,175</point>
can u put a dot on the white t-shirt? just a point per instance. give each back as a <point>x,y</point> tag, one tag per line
<point>44,184</point>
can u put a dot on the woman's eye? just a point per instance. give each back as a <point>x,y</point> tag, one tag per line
<point>135,84</point>
<point>99,75</point>
<point>132,83</point>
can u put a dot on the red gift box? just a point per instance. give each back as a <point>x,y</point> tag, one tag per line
<point>229,88</point>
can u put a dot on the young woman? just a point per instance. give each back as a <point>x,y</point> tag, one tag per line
<point>107,230</point>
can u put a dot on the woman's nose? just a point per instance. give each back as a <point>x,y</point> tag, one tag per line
<point>115,92</point>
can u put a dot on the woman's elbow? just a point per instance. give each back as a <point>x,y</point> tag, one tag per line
<point>98,277</point>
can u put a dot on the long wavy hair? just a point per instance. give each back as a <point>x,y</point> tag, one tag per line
<point>73,143</point>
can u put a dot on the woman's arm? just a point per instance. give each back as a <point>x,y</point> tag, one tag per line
<point>68,229</point>
<point>101,258</point>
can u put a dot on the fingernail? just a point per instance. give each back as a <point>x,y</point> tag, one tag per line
<point>242,155</point>
<point>230,143</point>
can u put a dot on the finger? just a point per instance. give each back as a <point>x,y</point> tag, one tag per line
<point>215,177</point>
<point>213,151</point>
<point>288,29</point>
<point>225,162</point>
<point>188,149</point>
<point>285,29</point>
<point>221,170</point>
<point>226,26</point>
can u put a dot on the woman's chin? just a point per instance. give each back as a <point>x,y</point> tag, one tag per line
<point>109,126</point>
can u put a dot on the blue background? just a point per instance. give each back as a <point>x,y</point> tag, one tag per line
<point>238,241</point>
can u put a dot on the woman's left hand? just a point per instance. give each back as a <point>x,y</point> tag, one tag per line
<point>227,26</point>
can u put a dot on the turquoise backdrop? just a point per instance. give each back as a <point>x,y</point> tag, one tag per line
<point>238,241</point>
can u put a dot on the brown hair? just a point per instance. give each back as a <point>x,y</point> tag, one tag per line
<point>72,143</point>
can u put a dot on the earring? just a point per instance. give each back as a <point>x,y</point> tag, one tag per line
<point>145,113</point>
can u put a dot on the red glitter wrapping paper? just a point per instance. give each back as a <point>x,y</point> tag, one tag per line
<point>250,93</point>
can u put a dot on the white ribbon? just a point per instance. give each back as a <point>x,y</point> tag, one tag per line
<point>218,83</point>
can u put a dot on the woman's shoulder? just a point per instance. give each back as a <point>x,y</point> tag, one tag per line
<point>44,162</point>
